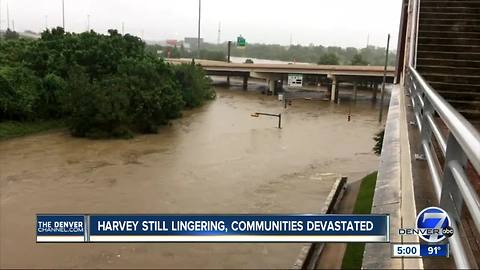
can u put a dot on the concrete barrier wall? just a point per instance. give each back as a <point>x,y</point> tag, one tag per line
<point>394,188</point>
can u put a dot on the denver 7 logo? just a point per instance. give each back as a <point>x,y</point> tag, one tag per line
<point>433,223</point>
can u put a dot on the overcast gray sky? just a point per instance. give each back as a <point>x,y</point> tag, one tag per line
<point>326,22</point>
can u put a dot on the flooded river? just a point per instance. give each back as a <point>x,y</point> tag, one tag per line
<point>216,159</point>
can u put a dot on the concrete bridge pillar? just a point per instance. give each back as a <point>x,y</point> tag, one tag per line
<point>271,86</point>
<point>334,90</point>
<point>375,90</point>
<point>355,91</point>
<point>245,82</point>
<point>228,80</point>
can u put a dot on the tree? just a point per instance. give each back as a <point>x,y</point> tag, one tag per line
<point>195,86</point>
<point>11,35</point>
<point>102,85</point>
<point>99,108</point>
<point>20,93</point>
<point>53,90</point>
<point>154,93</point>
<point>373,55</point>
<point>329,59</point>
<point>358,60</point>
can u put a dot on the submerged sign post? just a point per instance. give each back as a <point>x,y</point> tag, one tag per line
<point>212,228</point>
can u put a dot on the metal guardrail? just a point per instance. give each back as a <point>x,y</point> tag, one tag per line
<point>462,145</point>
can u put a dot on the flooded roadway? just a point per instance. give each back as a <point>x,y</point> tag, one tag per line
<point>216,159</point>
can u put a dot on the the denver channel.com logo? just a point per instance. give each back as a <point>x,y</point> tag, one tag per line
<point>433,225</point>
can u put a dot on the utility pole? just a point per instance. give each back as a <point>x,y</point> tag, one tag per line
<point>63,14</point>
<point>228,59</point>
<point>0,19</point>
<point>219,32</point>
<point>199,21</point>
<point>123,28</point>
<point>46,22</point>
<point>229,51</point>
<point>8,17</point>
<point>384,81</point>
<point>88,23</point>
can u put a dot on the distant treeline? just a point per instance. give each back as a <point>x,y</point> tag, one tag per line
<point>182,52</point>
<point>371,55</point>
<point>102,85</point>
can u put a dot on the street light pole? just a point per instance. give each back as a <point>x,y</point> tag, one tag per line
<point>199,21</point>
<point>384,81</point>
<point>8,18</point>
<point>257,114</point>
<point>63,14</point>
<point>0,19</point>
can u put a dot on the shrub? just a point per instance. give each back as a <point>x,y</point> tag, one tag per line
<point>153,92</point>
<point>103,85</point>
<point>20,93</point>
<point>195,86</point>
<point>54,88</point>
<point>99,108</point>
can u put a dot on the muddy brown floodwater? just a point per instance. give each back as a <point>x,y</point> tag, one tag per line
<point>216,159</point>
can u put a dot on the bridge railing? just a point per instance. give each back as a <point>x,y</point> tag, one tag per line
<point>459,149</point>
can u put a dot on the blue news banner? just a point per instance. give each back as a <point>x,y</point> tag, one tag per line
<point>212,228</point>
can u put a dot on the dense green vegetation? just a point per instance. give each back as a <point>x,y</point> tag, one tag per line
<point>370,55</point>
<point>329,59</point>
<point>353,256</point>
<point>181,52</point>
<point>101,85</point>
<point>11,129</point>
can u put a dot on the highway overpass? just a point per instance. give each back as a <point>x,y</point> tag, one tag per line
<point>273,72</point>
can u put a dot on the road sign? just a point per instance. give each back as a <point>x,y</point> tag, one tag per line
<point>241,42</point>
<point>295,80</point>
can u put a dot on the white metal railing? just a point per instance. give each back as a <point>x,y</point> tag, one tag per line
<point>462,145</point>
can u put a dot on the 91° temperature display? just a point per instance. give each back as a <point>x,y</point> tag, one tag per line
<point>420,250</point>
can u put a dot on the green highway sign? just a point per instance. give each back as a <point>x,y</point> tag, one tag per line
<point>241,42</point>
